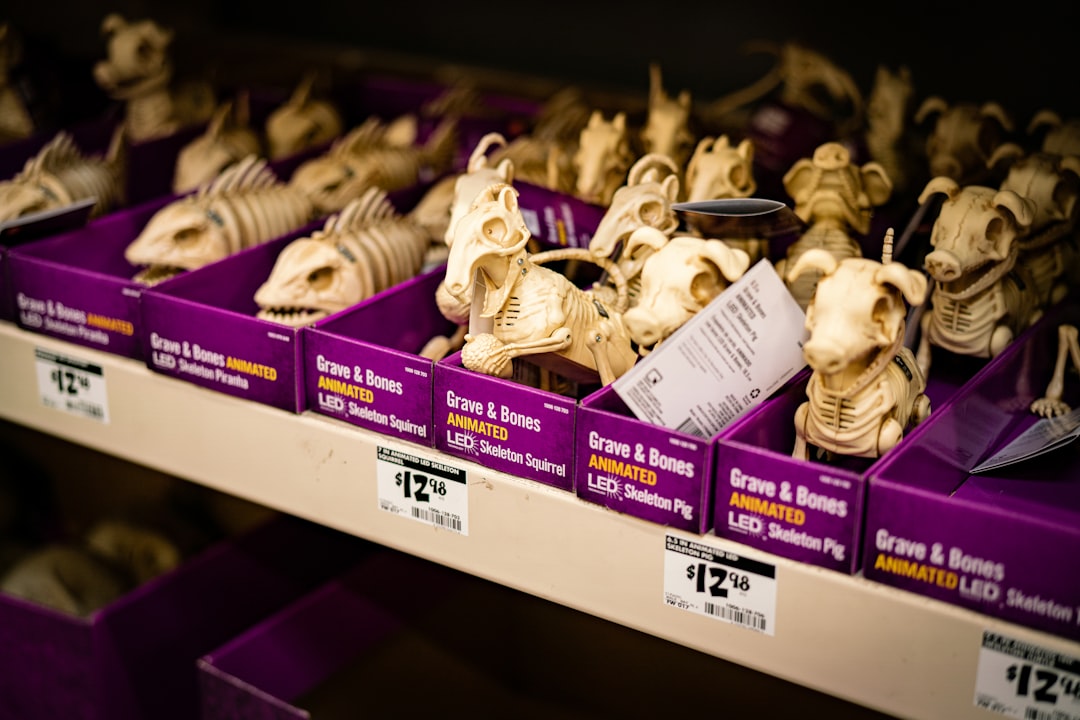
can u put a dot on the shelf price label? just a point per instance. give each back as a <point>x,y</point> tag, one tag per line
<point>71,385</point>
<point>1023,680</point>
<point>719,584</point>
<point>422,489</point>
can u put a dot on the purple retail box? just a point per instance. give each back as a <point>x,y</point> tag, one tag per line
<point>641,469</point>
<point>77,286</point>
<point>135,658</point>
<point>810,511</point>
<point>269,670</point>
<point>1004,542</point>
<point>503,424</point>
<point>201,327</point>
<point>556,219</point>
<point>361,365</point>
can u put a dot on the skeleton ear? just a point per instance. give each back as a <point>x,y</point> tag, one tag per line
<point>112,23</point>
<point>939,184</point>
<point>644,237</point>
<point>911,283</point>
<point>732,262</point>
<point>813,259</point>
<point>508,198</point>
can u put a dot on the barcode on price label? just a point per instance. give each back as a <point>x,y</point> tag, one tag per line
<point>1026,681</point>
<point>719,584</point>
<point>71,385</point>
<point>422,489</point>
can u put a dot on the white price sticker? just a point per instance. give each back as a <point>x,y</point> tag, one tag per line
<point>1026,681</point>
<point>422,489</point>
<point>719,584</point>
<point>71,385</point>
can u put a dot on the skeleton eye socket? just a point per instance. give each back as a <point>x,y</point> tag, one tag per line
<point>187,236</point>
<point>332,187</point>
<point>494,229</point>
<point>143,50</point>
<point>311,134</point>
<point>320,279</point>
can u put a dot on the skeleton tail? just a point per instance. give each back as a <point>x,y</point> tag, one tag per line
<point>439,149</point>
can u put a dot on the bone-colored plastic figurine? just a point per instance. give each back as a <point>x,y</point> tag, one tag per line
<point>1048,248</point>
<point>535,311</point>
<point>227,140</point>
<point>718,170</point>
<point>365,249</point>
<point>1051,404</point>
<point>980,298</point>
<point>667,124</point>
<point>865,390</point>
<point>602,159</point>
<point>138,70</point>
<point>1062,137</point>
<point>890,135</point>
<point>835,198</point>
<point>302,122</point>
<point>244,206</point>
<point>679,277</point>
<point>15,119</point>
<point>60,175</point>
<point>373,155</point>
<point>652,185</point>
<point>962,137</point>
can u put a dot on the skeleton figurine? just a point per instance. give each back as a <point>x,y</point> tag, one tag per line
<point>962,138</point>
<point>302,122</point>
<point>363,250</point>
<point>374,155</point>
<point>1048,248</point>
<point>533,310</point>
<point>602,158</point>
<point>244,206</point>
<point>679,276</point>
<point>1060,136</point>
<point>1051,404</point>
<point>719,170</point>
<point>890,137</point>
<point>60,175</point>
<point>139,71</point>
<point>865,389</point>
<point>227,140</point>
<point>16,121</point>
<point>835,198</point>
<point>981,298</point>
<point>667,125</point>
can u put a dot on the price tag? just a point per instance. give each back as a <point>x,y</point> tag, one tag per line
<point>422,489</point>
<point>1026,681</point>
<point>71,385</point>
<point>719,584</point>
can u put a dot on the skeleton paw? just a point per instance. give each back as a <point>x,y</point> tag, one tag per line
<point>486,354</point>
<point>1048,408</point>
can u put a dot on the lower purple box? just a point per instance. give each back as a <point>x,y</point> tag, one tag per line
<point>362,366</point>
<point>1004,542</point>
<point>136,657</point>
<point>271,670</point>
<point>641,469</point>
<point>504,425</point>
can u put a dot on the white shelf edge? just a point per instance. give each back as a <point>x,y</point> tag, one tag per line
<point>883,648</point>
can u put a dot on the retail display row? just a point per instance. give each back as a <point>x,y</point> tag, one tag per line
<point>844,635</point>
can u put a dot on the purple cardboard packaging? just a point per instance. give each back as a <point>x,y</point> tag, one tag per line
<point>810,511</point>
<point>556,219</point>
<point>1002,542</point>
<point>361,365</point>
<point>201,327</point>
<point>503,424</point>
<point>275,668</point>
<point>135,658</point>
<point>641,469</point>
<point>77,286</point>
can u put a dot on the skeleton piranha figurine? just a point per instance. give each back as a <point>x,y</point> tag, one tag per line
<point>244,206</point>
<point>364,249</point>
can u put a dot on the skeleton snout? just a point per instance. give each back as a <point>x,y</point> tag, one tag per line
<point>644,328</point>
<point>826,354</point>
<point>943,265</point>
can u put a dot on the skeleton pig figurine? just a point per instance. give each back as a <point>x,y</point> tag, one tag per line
<point>835,197</point>
<point>963,137</point>
<point>865,389</point>
<point>363,250</point>
<point>534,310</point>
<point>980,298</point>
<point>680,276</point>
<point>244,206</point>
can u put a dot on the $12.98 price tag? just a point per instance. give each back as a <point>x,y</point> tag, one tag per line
<point>1026,681</point>
<point>422,489</point>
<point>719,584</point>
<point>71,385</point>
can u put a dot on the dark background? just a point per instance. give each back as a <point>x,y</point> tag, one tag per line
<point>1023,56</point>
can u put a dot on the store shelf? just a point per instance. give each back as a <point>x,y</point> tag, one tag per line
<point>876,646</point>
